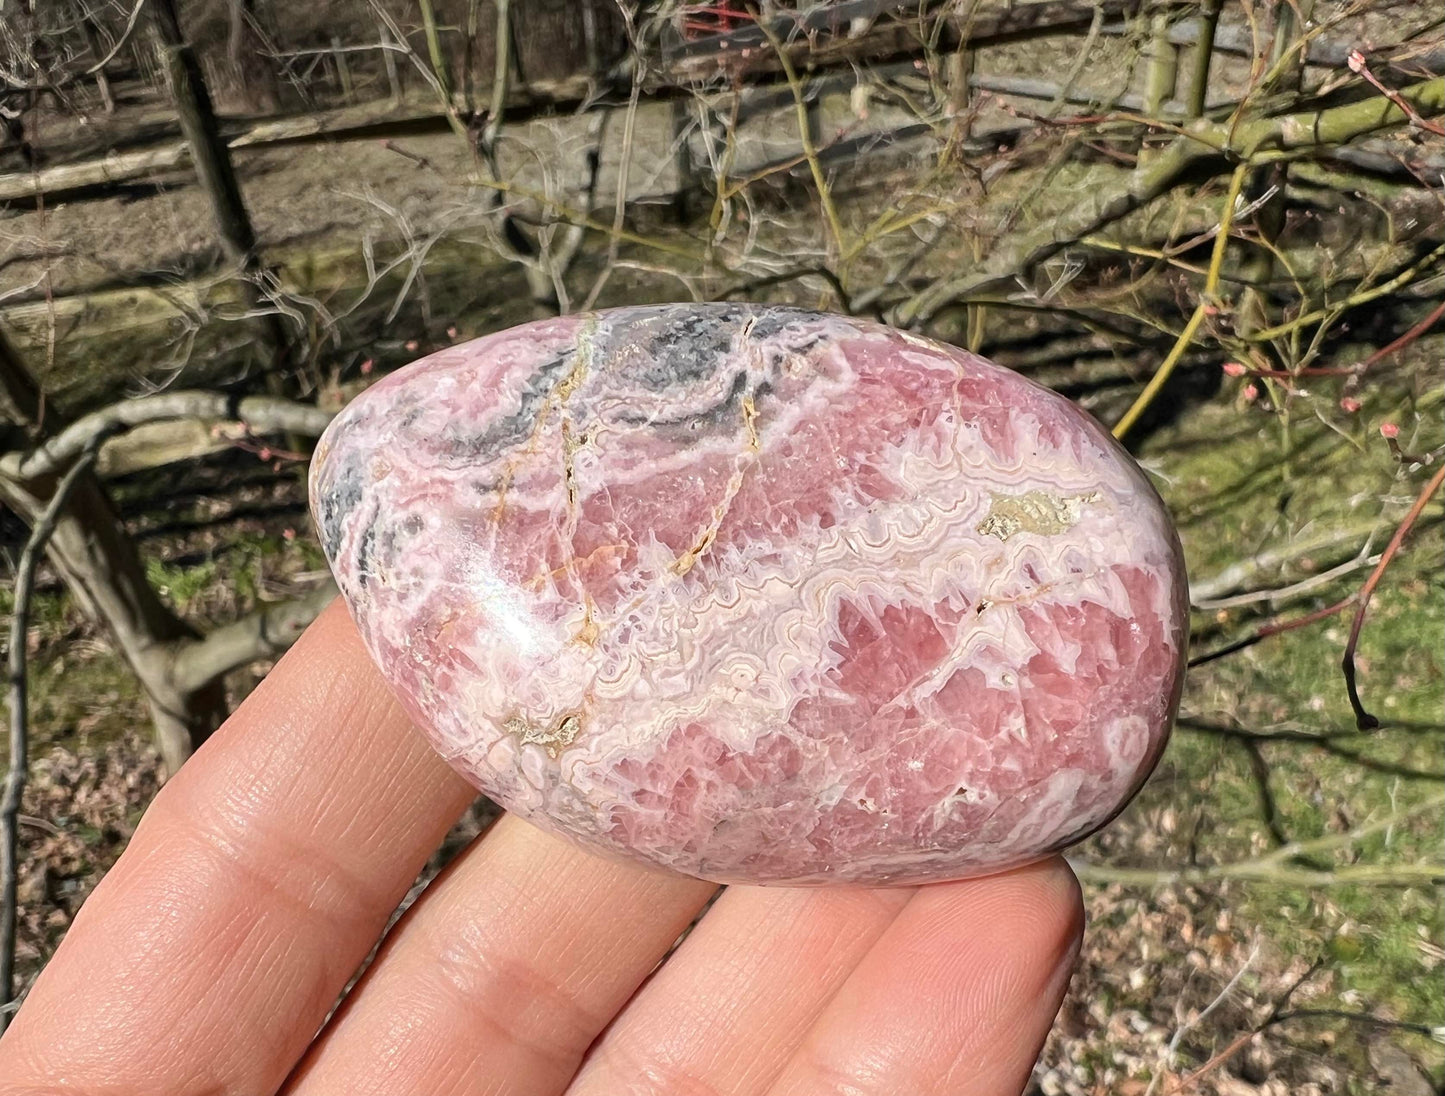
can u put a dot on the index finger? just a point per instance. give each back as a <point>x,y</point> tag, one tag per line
<point>255,885</point>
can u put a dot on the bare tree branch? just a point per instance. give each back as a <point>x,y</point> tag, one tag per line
<point>1279,865</point>
<point>70,77</point>
<point>265,633</point>
<point>821,32</point>
<point>19,724</point>
<point>263,414</point>
<point>97,559</point>
<point>1198,145</point>
<point>1363,718</point>
<point>1205,591</point>
<point>120,43</point>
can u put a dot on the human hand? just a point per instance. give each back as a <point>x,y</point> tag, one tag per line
<point>263,873</point>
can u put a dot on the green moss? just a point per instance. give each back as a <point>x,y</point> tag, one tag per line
<point>180,585</point>
<point>1323,777</point>
<point>234,578</point>
<point>47,608</point>
<point>1267,749</point>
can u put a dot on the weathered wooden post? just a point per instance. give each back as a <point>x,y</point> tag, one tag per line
<point>209,153</point>
<point>96,51</point>
<point>343,69</point>
<point>388,61</point>
<point>217,176</point>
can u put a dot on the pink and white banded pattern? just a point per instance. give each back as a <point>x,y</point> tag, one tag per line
<point>759,594</point>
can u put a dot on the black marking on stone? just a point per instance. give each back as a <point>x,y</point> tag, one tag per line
<point>517,427</point>
<point>667,345</point>
<point>659,348</point>
<point>337,499</point>
<point>680,345</point>
<point>364,551</point>
<point>728,412</point>
<point>685,345</point>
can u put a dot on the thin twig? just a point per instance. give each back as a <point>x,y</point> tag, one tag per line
<point>1168,1053</point>
<point>619,208</point>
<point>1405,277</point>
<point>810,151</point>
<point>268,414</point>
<point>1363,719</point>
<point>434,49</point>
<point>501,74</point>
<point>1277,594</point>
<point>19,726</point>
<point>1404,340</point>
<point>1359,65</point>
<point>1278,866</point>
<point>1200,145</point>
<point>1356,1018</point>
<point>1360,600</point>
<point>130,25</point>
<point>1236,576</point>
<point>443,93</point>
<point>1206,299</point>
<point>1273,628</point>
<point>1188,1080</point>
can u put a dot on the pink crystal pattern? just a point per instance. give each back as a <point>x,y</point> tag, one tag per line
<point>759,594</point>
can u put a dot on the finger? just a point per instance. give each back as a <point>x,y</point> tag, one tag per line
<point>730,1007</point>
<point>956,997</point>
<point>503,974</point>
<point>256,883</point>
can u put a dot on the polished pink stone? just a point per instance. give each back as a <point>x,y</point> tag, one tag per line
<point>760,594</point>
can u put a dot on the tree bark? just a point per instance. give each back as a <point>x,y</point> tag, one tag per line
<point>203,135</point>
<point>181,672</point>
<point>19,771</point>
<point>93,47</point>
<point>95,557</point>
<point>212,159</point>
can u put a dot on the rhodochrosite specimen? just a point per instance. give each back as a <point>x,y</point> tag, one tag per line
<point>760,594</point>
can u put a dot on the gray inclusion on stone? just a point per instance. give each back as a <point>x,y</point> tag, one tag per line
<point>515,428</point>
<point>671,345</point>
<point>364,549</point>
<point>771,320</point>
<point>727,412</point>
<point>684,346</point>
<point>336,499</point>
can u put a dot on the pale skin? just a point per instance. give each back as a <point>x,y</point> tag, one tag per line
<point>264,872</point>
